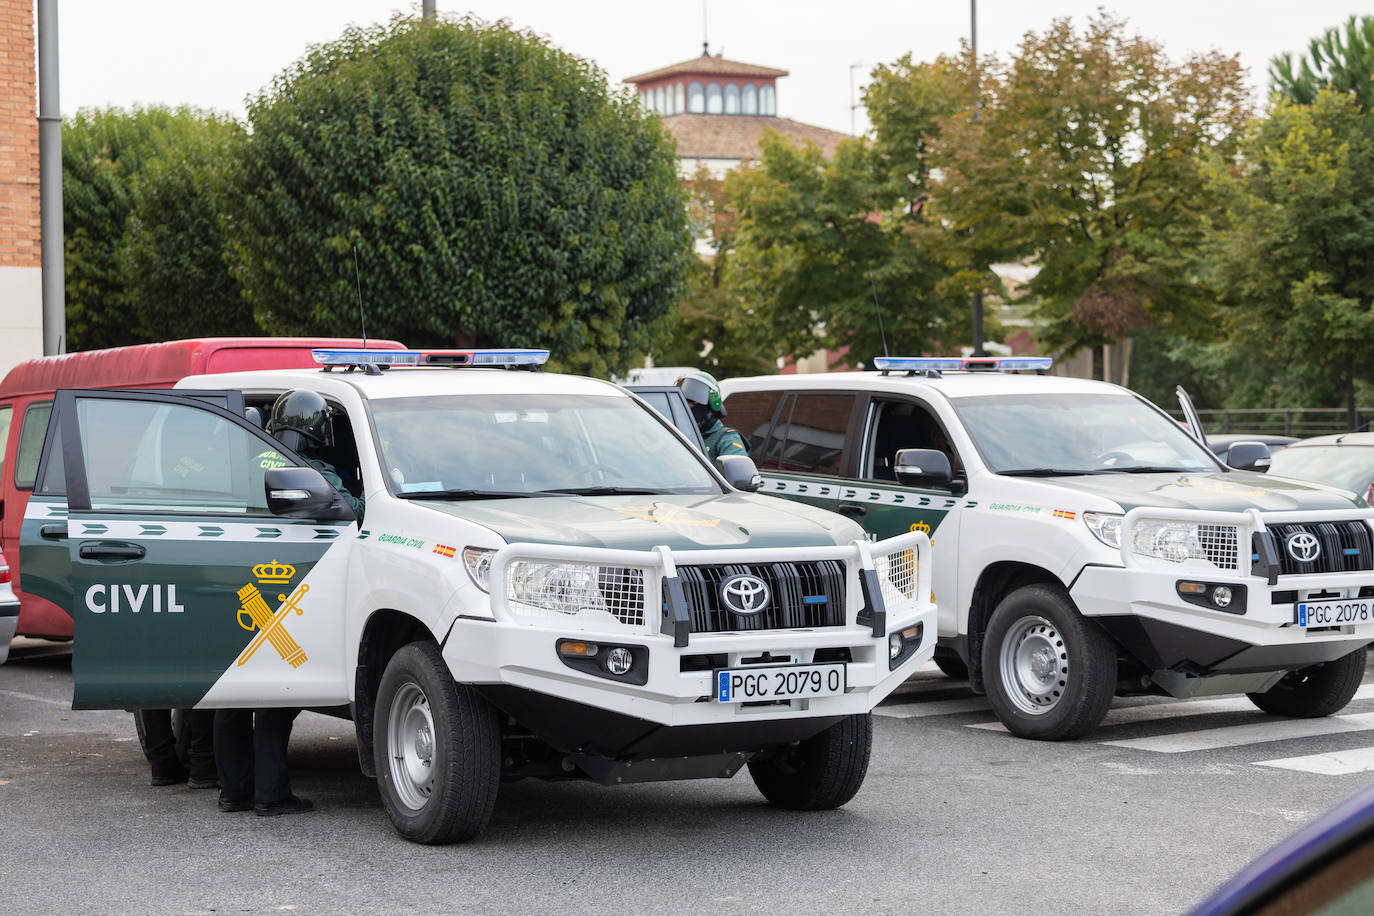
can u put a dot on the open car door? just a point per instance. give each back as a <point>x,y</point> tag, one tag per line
<point>150,524</point>
<point>1190,415</point>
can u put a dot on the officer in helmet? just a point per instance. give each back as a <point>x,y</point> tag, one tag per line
<point>703,396</point>
<point>300,421</point>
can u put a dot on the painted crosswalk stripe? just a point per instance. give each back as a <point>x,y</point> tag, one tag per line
<point>932,708</point>
<point>1336,763</point>
<point>1209,739</point>
<point>1177,709</point>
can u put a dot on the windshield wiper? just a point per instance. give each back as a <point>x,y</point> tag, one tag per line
<point>467,494</point>
<point>1146,469</point>
<point>606,491</point>
<point>1047,472</point>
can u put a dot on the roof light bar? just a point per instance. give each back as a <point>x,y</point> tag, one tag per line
<point>954,363</point>
<point>493,357</point>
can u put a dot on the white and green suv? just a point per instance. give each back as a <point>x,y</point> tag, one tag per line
<point>548,581</point>
<point>1088,545</point>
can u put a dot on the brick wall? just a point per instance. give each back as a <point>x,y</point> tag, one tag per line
<point>19,226</point>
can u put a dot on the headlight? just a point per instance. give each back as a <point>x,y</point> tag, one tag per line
<point>1105,526</point>
<point>478,562</point>
<point>1179,541</point>
<point>568,588</point>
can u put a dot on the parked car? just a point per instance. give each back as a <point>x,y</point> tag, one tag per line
<point>1088,545</point>
<point>1221,445</point>
<point>1345,461</point>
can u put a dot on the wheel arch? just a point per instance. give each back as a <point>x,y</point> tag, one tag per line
<point>996,582</point>
<point>386,631</point>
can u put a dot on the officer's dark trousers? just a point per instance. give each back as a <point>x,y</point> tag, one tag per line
<point>250,748</point>
<point>160,745</point>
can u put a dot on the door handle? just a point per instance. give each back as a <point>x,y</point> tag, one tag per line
<point>111,552</point>
<point>53,532</point>
<point>853,509</point>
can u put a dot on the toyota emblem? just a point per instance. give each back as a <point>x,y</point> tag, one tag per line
<point>1304,547</point>
<point>744,595</point>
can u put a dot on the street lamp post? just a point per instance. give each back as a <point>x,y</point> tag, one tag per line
<point>977,296</point>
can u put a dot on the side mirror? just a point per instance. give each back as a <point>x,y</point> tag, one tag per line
<point>922,467</point>
<point>303,493</point>
<point>739,472</point>
<point>1248,456</point>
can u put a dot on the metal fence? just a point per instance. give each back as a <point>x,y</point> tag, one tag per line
<point>1281,421</point>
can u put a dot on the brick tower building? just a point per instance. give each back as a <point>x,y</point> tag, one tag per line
<point>21,294</point>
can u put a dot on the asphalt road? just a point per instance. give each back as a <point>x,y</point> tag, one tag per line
<point>953,818</point>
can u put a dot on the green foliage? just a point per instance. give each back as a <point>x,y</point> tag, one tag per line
<point>496,190</point>
<point>1086,158</point>
<point>1296,263</point>
<point>103,152</point>
<point>1340,58</point>
<point>173,254</point>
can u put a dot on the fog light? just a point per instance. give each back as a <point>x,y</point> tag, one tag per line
<point>894,645</point>
<point>1221,596</point>
<point>619,661</point>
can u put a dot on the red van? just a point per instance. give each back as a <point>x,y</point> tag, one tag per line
<point>26,396</point>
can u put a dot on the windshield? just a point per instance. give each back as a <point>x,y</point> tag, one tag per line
<point>1349,467</point>
<point>519,445</point>
<point>1062,434</point>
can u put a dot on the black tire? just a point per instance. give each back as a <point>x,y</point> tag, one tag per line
<point>437,749</point>
<point>1320,690</point>
<point>1050,673</point>
<point>953,667</point>
<point>824,771</point>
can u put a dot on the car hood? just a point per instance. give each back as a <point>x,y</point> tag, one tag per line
<point>1218,491</point>
<point>644,522</point>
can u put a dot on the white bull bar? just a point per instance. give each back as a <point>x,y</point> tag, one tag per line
<point>901,586</point>
<point>1247,522</point>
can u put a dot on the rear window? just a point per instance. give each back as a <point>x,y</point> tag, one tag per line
<point>6,415</point>
<point>31,444</point>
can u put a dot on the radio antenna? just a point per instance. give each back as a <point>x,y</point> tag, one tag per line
<point>879,309</point>
<point>358,279</point>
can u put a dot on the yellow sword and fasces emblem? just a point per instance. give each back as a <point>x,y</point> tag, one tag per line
<point>254,614</point>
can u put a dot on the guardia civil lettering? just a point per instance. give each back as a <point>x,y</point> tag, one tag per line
<point>133,599</point>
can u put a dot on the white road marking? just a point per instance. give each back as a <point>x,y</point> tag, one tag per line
<point>1177,709</point>
<point>1337,763</point>
<point>932,708</point>
<point>1233,736</point>
<point>65,704</point>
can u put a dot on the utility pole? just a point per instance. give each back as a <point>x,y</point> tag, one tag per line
<point>427,9</point>
<point>853,104</point>
<point>50,182</point>
<point>973,46</point>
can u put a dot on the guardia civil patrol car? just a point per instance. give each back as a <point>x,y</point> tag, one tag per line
<point>1089,545</point>
<point>548,581</point>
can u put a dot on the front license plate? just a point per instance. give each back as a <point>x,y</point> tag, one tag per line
<point>1335,612</point>
<point>781,682</point>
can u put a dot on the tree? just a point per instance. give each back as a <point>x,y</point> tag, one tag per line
<point>103,152</point>
<point>1086,156</point>
<point>173,256</point>
<point>1340,59</point>
<point>495,190</point>
<point>819,240</point>
<point>1297,261</point>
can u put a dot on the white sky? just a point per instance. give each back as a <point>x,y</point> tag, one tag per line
<point>215,53</point>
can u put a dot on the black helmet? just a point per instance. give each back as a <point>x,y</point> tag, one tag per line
<point>300,420</point>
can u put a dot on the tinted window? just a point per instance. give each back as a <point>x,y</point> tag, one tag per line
<point>6,415</point>
<point>751,413</point>
<point>816,434</point>
<point>31,444</point>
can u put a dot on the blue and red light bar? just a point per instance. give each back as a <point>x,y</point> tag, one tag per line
<point>963,364</point>
<point>488,357</point>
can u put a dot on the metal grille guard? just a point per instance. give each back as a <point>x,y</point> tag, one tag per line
<point>663,588</point>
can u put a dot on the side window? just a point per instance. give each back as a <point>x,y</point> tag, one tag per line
<point>898,425</point>
<point>141,454</point>
<point>31,445</point>
<point>816,434</point>
<point>751,412</point>
<point>6,416</point>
